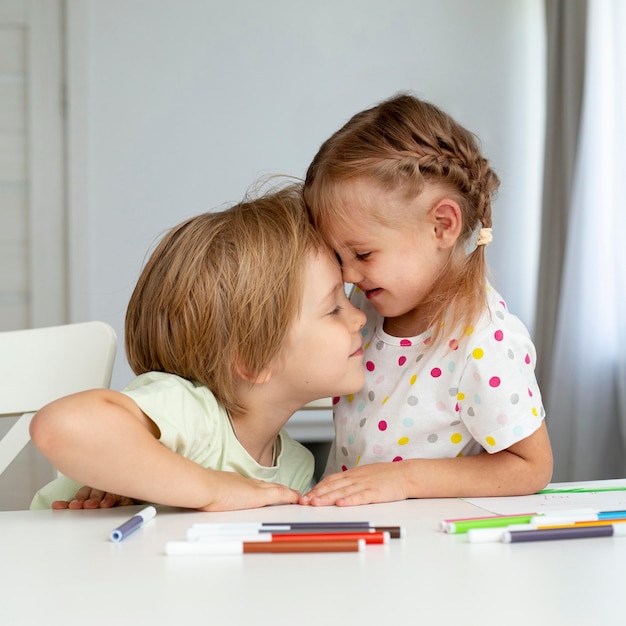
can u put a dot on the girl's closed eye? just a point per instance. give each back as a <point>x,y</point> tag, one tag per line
<point>338,309</point>
<point>363,256</point>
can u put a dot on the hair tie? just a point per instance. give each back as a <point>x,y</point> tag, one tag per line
<point>484,237</point>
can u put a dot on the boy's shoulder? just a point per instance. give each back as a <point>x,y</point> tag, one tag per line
<point>165,384</point>
<point>176,404</point>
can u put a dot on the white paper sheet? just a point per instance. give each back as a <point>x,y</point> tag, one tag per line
<point>565,497</point>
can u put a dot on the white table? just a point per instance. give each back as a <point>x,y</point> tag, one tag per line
<point>58,567</point>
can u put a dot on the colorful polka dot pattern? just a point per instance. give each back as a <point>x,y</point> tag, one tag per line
<point>471,393</point>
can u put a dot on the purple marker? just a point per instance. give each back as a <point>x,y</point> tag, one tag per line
<point>133,524</point>
<point>570,532</point>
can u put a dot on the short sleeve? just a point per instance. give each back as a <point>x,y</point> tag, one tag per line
<point>187,415</point>
<point>498,396</point>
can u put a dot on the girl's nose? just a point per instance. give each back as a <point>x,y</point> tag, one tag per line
<point>351,274</point>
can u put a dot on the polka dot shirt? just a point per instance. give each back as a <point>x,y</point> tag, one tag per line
<point>472,393</point>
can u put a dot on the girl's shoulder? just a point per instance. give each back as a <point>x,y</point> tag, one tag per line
<point>497,313</point>
<point>498,324</point>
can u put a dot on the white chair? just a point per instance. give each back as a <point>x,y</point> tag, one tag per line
<point>43,364</point>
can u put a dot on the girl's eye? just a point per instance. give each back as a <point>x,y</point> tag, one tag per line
<point>362,257</point>
<point>338,309</point>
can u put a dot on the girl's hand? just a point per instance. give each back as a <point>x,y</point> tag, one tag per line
<point>238,492</point>
<point>89,498</point>
<point>378,482</point>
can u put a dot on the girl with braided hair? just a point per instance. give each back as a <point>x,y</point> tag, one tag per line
<point>450,406</point>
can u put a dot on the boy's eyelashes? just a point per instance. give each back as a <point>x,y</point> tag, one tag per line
<point>339,307</point>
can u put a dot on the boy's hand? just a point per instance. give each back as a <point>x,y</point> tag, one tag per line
<point>89,498</point>
<point>239,492</point>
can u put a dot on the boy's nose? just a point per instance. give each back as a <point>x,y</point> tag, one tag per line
<point>357,318</point>
<point>361,318</point>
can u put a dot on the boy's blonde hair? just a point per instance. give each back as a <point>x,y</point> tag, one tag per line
<point>220,292</point>
<point>402,144</point>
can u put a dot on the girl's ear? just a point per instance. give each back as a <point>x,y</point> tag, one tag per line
<point>448,222</point>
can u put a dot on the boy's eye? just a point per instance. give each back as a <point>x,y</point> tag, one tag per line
<point>362,257</point>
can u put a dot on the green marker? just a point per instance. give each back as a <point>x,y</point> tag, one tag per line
<point>455,527</point>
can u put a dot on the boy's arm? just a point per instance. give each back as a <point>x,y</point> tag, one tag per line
<point>103,439</point>
<point>524,468</point>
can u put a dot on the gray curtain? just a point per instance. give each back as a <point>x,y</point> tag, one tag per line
<point>581,309</point>
<point>565,31</point>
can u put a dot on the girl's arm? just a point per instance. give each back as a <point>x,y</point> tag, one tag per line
<point>524,468</point>
<point>102,438</point>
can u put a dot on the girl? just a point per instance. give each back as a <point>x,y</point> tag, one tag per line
<point>238,319</point>
<point>450,406</point>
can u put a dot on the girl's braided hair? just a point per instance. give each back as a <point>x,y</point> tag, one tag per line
<point>403,144</point>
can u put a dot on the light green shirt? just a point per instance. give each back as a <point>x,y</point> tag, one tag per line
<point>194,425</point>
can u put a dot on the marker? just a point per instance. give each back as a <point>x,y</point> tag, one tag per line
<point>395,532</point>
<point>573,532</point>
<point>444,523</point>
<point>462,525</point>
<point>501,521</point>
<point>369,538</point>
<point>121,532</point>
<point>491,535</point>
<point>231,548</point>
<point>603,522</point>
<point>281,525</point>
<point>561,517</point>
<point>582,490</point>
<point>293,525</point>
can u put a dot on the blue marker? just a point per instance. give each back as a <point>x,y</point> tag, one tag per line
<point>571,517</point>
<point>121,532</point>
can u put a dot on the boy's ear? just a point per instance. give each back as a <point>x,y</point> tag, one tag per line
<point>448,221</point>
<point>259,379</point>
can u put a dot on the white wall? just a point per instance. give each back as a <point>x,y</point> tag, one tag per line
<point>179,106</point>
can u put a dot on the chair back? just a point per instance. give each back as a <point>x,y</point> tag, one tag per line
<point>39,365</point>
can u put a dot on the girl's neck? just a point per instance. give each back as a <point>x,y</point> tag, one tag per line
<point>395,327</point>
<point>411,324</point>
